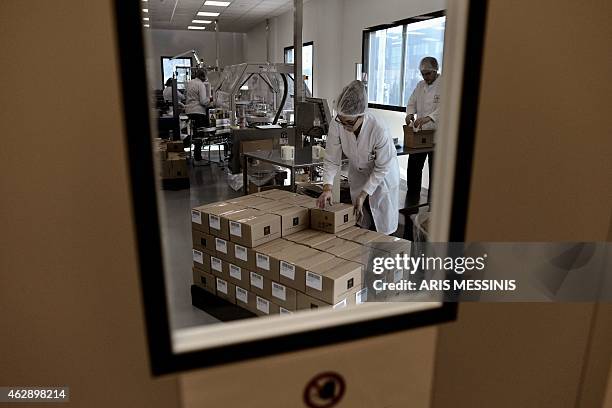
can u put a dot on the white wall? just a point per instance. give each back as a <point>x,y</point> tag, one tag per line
<point>174,42</point>
<point>336,27</point>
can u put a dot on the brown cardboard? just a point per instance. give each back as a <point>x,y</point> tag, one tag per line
<point>337,246</point>
<point>255,145</point>
<point>204,280</point>
<point>422,138</point>
<point>218,267</point>
<point>263,261</point>
<point>199,222</point>
<point>222,249</point>
<point>349,230</point>
<point>301,200</point>
<point>305,302</point>
<point>392,245</point>
<point>241,255</point>
<point>175,146</point>
<point>226,290</point>
<point>253,201</point>
<point>362,255</point>
<point>260,285</point>
<point>245,298</point>
<point>213,213</point>
<point>201,259</point>
<point>331,281</point>
<point>294,262</point>
<point>310,237</point>
<point>352,298</point>
<point>238,276</point>
<point>293,218</point>
<point>361,235</point>
<point>202,241</point>
<point>333,218</point>
<point>251,228</point>
<point>265,307</point>
<point>177,166</point>
<point>283,296</point>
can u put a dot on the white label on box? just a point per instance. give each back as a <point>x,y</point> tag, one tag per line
<point>198,256</point>
<point>285,311</point>
<point>287,270</point>
<point>314,280</point>
<point>397,276</point>
<point>221,245</point>
<point>263,305</point>
<point>242,295</point>
<point>222,286</point>
<point>361,296</point>
<point>196,216</point>
<point>341,304</point>
<point>257,280</point>
<point>240,252</point>
<point>214,222</point>
<point>235,228</point>
<point>263,261</point>
<point>279,291</point>
<point>215,264</point>
<point>235,272</point>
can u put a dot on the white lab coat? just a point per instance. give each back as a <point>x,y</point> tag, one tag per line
<point>373,168</point>
<point>197,96</point>
<point>425,101</point>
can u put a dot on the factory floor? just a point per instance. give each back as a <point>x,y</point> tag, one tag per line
<point>208,184</point>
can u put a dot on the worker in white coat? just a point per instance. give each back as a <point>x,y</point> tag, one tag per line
<point>373,172</point>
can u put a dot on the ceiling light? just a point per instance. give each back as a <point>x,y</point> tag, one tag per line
<point>146,19</point>
<point>207,13</point>
<point>217,3</point>
<point>196,28</point>
<point>145,10</point>
<point>201,21</point>
<point>147,25</point>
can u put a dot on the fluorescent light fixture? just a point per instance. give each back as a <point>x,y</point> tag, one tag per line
<point>196,28</point>
<point>208,13</point>
<point>145,10</point>
<point>147,25</point>
<point>201,21</point>
<point>146,18</point>
<point>217,3</point>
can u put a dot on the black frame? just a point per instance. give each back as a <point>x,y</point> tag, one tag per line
<point>145,212</point>
<point>161,64</point>
<point>365,50</point>
<point>313,59</point>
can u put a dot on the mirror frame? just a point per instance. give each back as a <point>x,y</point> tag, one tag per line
<point>135,93</point>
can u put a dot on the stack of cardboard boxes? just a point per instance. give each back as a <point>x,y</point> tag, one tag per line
<point>274,252</point>
<point>172,159</point>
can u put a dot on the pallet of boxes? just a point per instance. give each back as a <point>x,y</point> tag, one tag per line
<point>172,159</point>
<point>274,252</point>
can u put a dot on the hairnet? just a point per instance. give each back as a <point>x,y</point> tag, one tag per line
<point>428,64</point>
<point>353,100</point>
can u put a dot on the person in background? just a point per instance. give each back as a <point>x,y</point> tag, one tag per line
<point>197,101</point>
<point>424,103</point>
<point>373,172</point>
<point>167,93</point>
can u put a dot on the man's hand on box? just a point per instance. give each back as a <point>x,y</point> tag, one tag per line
<point>358,206</point>
<point>421,121</point>
<point>324,198</point>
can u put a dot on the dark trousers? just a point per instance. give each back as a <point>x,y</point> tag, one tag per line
<point>198,120</point>
<point>415,174</point>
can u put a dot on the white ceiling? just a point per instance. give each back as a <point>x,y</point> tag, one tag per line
<point>239,16</point>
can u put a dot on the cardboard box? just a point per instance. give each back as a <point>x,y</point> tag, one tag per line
<point>222,249</point>
<point>260,285</point>
<point>301,200</point>
<point>218,267</point>
<point>422,138</point>
<point>331,281</point>
<point>251,228</point>
<point>213,213</point>
<point>226,290</point>
<point>203,242</point>
<point>201,259</point>
<point>177,166</point>
<point>255,145</point>
<point>264,307</point>
<point>199,222</point>
<point>293,218</point>
<point>253,201</point>
<point>244,298</point>
<point>263,260</point>
<point>204,280</point>
<point>295,261</point>
<point>238,276</point>
<point>305,302</point>
<point>353,297</point>
<point>310,237</point>
<point>283,296</point>
<point>391,245</point>
<point>333,218</point>
<point>337,246</point>
<point>175,146</point>
<point>361,236</point>
<point>241,255</point>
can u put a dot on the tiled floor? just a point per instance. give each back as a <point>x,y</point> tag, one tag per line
<point>208,184</point>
